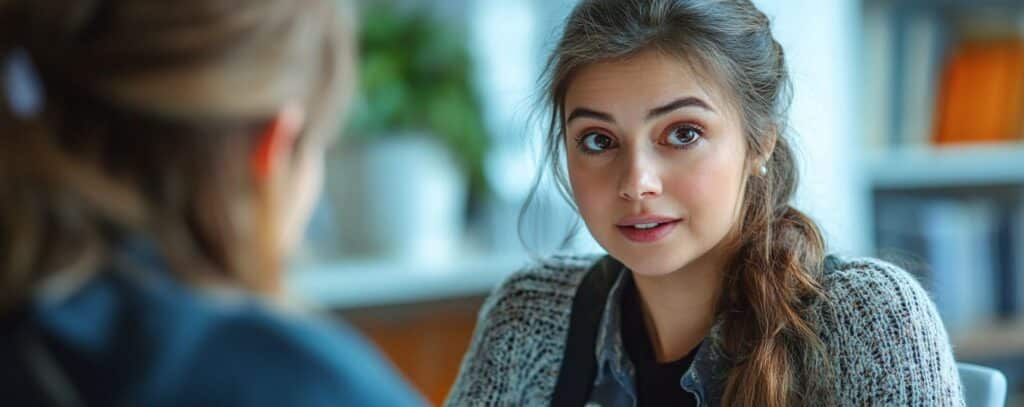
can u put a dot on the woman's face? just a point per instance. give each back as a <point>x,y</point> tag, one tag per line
<point>655,161</point>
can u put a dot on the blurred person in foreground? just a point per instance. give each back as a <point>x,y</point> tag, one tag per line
<point>158,162</point>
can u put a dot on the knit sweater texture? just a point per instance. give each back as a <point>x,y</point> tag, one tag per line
<point>886,342</point>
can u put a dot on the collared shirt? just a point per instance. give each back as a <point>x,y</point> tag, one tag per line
<point>657,383</point>
<point>615,383</point>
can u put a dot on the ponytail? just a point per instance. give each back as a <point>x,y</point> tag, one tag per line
<point>48,200</point>
<point>778,358</point>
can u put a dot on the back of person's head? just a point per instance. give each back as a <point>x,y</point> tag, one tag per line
<point>148,121</point>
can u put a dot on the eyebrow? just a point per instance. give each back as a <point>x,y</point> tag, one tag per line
<point>678,104</point>
<point>653,113</point>
<point>593,114</point>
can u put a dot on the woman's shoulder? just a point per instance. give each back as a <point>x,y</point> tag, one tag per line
<point>546,286</point>
<point>880,280</point>
<point>518,342</point>
<point>884,335</point>
<point>276,355</point>
<point>556,275</point>
<point>873,293</point>
<point>285,357</point>
<point>238,348</point>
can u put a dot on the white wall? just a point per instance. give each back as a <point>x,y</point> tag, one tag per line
<point>821,43</point>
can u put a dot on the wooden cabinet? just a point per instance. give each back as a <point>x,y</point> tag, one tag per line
<point>425,341</point>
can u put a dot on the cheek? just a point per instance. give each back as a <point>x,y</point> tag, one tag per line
<point>710,194</point>
<point>593,191</point>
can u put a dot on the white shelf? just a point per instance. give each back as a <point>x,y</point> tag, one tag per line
<point>367,283</point>
<point>941,167</point>
<point>990,340</point>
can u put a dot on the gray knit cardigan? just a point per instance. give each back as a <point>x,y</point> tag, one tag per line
<point>887,344</point>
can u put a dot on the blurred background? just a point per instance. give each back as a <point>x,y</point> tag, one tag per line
<point>908,116</point>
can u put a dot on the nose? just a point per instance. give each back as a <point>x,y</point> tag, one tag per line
<point>640,180</point>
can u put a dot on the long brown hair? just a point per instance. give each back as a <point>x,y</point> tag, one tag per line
<point>150,114</point>
<point>777,356</point>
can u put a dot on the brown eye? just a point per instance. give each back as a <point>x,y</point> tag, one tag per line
<point>683,136</point>
<point>594,142</point>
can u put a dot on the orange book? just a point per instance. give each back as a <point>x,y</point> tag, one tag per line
<point>982,93</point>
<point>954,85</point>
<point>1015,109</point>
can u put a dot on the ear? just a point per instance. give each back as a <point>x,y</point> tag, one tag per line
<point>274,144</point>
<point>765,157</point>
<point>772,141</point>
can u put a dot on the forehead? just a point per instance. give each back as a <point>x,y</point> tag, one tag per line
<point>641,81</point>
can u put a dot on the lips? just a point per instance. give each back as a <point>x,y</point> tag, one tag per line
<point>646,228</point>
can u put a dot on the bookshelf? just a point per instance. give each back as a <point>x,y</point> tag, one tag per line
<point>944,162</point>
<point>921,167</point>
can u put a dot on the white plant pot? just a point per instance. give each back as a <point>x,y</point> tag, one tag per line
<point>400,198</point>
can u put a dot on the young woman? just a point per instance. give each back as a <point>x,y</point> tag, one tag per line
<point>715,290</point>
<point>158,160</point>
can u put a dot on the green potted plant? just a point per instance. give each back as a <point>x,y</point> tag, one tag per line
<point>415,74</point>
<point>416,135</point>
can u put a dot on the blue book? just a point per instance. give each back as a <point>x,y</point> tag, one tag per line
<point>960,236</point>
<point>1014,257</point>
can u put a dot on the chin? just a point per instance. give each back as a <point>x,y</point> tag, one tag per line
<point>649,263</point>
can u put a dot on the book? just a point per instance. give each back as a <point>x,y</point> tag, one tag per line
<point>1016,259</point>
<point>879,53</point>
<point>924,38</point>
<point>959,236</point>
<point>948,244</point>
<point>982,94</point>
<point>898,236</point>
<point>1003,247</point>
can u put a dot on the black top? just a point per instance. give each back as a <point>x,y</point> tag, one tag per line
<point>657,384</point>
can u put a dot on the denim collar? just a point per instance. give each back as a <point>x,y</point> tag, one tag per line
<point>706,376</point>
